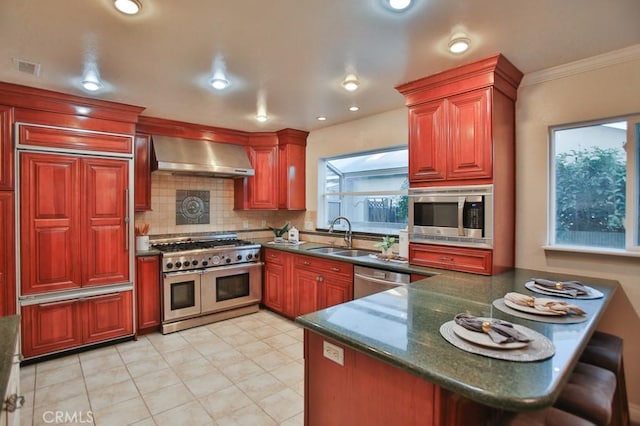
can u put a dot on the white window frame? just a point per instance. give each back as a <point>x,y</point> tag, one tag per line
<point>632,209</point>
<point>322,219</point>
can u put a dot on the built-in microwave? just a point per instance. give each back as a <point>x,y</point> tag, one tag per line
<point>452,215</point>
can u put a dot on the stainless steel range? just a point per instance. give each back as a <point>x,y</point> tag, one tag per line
<point>208,279</point>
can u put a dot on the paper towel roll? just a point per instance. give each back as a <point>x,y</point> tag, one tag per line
<point>403,244</point>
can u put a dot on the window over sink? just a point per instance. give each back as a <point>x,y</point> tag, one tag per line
<point>369,188</point>
<point>594,184</point>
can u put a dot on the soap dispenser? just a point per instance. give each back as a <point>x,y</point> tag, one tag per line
<point>293,235</point>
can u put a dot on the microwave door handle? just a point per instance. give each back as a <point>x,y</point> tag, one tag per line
<point>461,201</point>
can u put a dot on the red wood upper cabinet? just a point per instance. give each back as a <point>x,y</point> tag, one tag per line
<point>292,169</point>
<point>259,192</point>
<point>6,148</point>
<point>73,229</point>
<point>461,121</point>
<point>142,172</point>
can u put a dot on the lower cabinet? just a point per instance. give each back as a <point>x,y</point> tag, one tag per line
<point>60,325</point>
<point>298,284</point>
<point>477,261</point>
<point>147,293</point>
<point>319,283</point>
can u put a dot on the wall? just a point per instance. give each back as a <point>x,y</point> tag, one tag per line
<point>599,93</point>
<point>222,217</point>
<point>603,92</point>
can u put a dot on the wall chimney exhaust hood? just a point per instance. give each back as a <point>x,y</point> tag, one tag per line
<point>200,157</point>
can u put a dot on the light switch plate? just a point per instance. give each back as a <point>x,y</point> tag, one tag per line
<point>333,352</point>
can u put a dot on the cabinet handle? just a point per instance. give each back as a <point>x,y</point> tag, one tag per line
<point>126,219</point>
<point>13,402</point>
<point>336,269</point>
<point>446,259</point>
<point>60,302</point>
<point>306,262</point>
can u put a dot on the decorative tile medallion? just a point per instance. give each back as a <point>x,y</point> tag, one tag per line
<point>192,207</point>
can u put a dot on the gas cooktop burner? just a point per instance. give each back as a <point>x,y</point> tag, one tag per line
<point>191,253</point>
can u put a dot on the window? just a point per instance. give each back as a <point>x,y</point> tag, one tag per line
<point>368,188</point>
<point>594,185</point>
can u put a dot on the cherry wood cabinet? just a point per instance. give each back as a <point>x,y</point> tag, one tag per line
<point>6,148</point>
<point>73,222</point>
<point>259,192</point>
<point>142,172</point>
<point>292,169</point>
<point>278,285</point>
<point>364,390</point>
<point>7,256</point>
<point>148,293</point>
<point>478,261</point>
<point>319,283</point>
<point>60,325</point>
<point>462,132</point>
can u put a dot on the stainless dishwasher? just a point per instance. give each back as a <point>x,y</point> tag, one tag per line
<point>368,281</point>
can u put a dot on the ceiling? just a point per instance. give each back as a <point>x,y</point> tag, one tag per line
<point>290,55</point>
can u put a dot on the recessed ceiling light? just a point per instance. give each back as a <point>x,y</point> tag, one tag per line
<point>128,7</point>
<point>350,83</point>
<point>219,82</point>
<point>322,118</point>
<point>459,43</point>
<point>261,118</point>
<point>91,78</point>
<point>398,4</point>
<point>354,108</point>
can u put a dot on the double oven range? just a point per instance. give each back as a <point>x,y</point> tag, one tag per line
<point>208,279</point>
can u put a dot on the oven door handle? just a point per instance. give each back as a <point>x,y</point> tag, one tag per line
<point>182,273</point>
<point>234,266</point>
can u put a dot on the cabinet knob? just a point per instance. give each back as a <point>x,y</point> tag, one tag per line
<point>336,269</point>
<point>13,402</point>
<point>306,262</point>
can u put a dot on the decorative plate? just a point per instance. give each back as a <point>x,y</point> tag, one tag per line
<point>530,309</point>
<point>593,293</point>
<point>483,339</point>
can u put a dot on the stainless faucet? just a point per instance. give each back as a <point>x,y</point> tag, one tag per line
<point>347,235</point>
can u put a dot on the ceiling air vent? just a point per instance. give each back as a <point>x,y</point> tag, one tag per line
<point>27,67</point>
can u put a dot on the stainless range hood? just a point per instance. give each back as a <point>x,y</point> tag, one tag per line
<point>200,157</point>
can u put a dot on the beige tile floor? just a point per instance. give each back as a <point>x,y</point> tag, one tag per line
<point>242,371</point>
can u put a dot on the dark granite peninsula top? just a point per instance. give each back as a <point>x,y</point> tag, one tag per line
<point>401,327</point>
<point>9,327</point>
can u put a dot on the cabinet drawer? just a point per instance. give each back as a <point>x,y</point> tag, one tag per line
<point>274,256</point>
<point>456,259</point>
<point>56,137</point>
<point>324,265</point>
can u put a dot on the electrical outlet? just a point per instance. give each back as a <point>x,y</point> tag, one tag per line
<point>263,224</point>
<point>245,224</point>
<point>308,224</point>
<point>333,352</point>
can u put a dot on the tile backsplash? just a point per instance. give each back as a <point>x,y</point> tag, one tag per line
<point>162,217</point>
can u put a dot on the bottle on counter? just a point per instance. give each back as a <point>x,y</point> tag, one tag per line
<point>293,235</point>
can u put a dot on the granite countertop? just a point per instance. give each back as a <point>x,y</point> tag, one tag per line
<point>9,328</point>
<point>401,327</point>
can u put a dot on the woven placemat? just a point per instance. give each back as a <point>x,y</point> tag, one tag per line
<point>538,349</point>
<point>552,319</point>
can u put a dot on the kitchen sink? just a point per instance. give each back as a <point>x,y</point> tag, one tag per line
<point>353,253</point>
<point>327,250</point>
<point>341,251</point>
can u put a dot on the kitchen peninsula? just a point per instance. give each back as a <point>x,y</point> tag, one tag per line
<point>396,367</point>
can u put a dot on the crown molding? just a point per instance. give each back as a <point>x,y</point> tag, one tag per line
<point>614,57</point>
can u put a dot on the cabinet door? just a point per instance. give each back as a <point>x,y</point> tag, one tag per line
<point>107,317</point>
<point>306,296</point>
<point>6,148</point>
<point>51,327</point>
<point>292,177</point>
<point>148,291</point>
<point>7,256</point>
<point>105,236</point>
<point>263,187</point>
<point>273,296</point>
<point>470,145</point>
<point>142,184</point>
<point>49,222</point>
<point>335,291</point>
<point>427,142</point>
